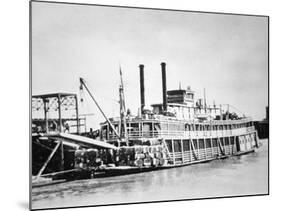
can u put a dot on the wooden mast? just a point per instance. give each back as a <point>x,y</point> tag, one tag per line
<point>122,108</point>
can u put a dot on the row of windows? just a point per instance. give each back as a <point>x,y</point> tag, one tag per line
<point>149,126</point>
<point>197,127</point>
<point>200,142</point>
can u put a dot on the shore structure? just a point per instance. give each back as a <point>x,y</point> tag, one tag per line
<point>263,126</point>
<point>176,132</point>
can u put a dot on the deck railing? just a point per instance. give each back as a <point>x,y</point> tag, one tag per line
<point>164,119</point>
<point>195,134</point>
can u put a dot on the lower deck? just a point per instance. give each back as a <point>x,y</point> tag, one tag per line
<point>164,153</point>
<point>183,151</point>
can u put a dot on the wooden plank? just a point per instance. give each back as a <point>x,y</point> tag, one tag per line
<point>173,151</point>
<point>205,148</point>
<point>60,172</point>
<point>193,149</point>
<point>48,160</point>
<point>182,150</point>
<point>245,142</point>
<point>256,139</point>
<point>212,147</point>
<point>198,154</point>
<point>62,157</point>
<point>233,146</point>
<point>250,139</point>
<point>229,144</point>
<point>221,147</point>
<point>166,147</point>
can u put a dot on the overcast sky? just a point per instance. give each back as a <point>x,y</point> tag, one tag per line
<point>226,54</point>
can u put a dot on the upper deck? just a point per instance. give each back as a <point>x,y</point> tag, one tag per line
<point>180,115</point>
<point>158,126</point>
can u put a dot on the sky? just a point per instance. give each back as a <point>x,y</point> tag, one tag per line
<point>225,54</point>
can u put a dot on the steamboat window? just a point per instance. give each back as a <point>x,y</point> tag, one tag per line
<point>208,143</point>
<point>133,129</point>
<point>201,144</point>
<point>177,145</point>
<point>214,142</point>
<point>147,128</point>
<point>195,143</point>
<point>191,127</point>
<point>156,129</point>
<point>232,140</point>
<point>104,132</point>
<point>226,141</point>
<point>186,146</point>
<point>169,145</point>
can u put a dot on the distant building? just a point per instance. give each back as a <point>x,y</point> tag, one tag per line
<point>263,126</point>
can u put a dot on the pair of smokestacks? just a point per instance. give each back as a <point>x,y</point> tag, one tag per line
<point>164,86</point>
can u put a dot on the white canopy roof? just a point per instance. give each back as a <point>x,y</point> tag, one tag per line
<point>76,139</point>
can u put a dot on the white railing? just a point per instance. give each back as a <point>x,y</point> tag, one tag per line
<point>195,134</point>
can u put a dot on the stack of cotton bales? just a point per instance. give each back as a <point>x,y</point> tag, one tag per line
<point>149,156</point>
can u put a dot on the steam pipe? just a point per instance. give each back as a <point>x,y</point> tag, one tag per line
<point>142,87</point>
<point>164,86</point>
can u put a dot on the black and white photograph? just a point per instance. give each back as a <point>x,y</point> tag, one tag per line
<point>135,105</point>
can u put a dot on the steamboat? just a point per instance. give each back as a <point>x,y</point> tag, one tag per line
<point>176,132</point>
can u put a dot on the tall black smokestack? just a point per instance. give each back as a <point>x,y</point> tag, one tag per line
<point>164,85</point>
<point>142,87</point>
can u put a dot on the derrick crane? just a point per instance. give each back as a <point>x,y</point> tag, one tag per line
<point>83,84</point>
